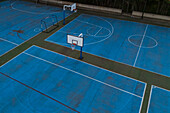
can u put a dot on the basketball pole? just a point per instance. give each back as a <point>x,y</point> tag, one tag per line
<point>63,17</point>
<point>81,56</point>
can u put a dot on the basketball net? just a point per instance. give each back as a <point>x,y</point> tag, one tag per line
<point>73,46</point>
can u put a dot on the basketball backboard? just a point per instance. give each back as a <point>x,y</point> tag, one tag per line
<point>75,40</point>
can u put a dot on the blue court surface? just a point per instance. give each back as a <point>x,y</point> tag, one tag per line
<point>21,20</point>
<point>39,80</point>
<point>159,100</point>
<point>135,44</point>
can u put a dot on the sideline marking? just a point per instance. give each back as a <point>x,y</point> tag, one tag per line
<point>143,98</point>
<point>153,86</point>
<point>9,41</point>
<point>39,92</point>
<point>150,95</point>
<point>82,75</point>
<point>140,46</point>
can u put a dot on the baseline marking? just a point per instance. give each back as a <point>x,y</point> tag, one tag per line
<point>140,46</point>
<point>83,75</point>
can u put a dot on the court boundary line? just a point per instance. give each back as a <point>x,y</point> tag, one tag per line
<point>143,98</point>
<point>16,45</point>
<point>9,41</point>
<point>82,75</point>
<point>39,92</point>
<point>88,22</point>
<point>150,95</point>
<point>11,60</point>
<point>140,45</point>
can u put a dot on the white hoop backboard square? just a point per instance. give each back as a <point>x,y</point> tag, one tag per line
<point>72,7</point>
<point>75,40</point>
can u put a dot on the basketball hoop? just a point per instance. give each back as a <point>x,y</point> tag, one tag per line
<point>76,41</point>
<point>75,10</point>
<point>73,46</point>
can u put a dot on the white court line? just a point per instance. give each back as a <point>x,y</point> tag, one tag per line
<point>149,99</point>
<point>9,41</point>
<point>10,60</point>
<point>154,86</point>
<point>98,31</point>
<point>151,95</point>
<point>142,98</point>
<point>83,75</point>
<point>112,31</point>
<point>140,46</point>
<point>88,23</point>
